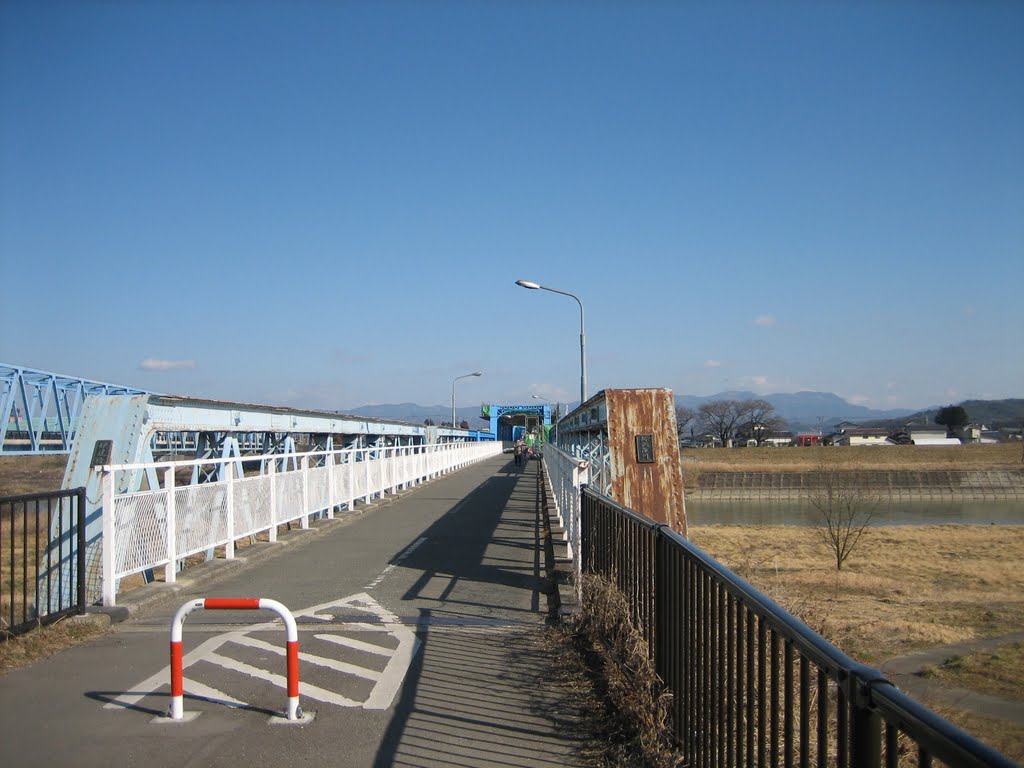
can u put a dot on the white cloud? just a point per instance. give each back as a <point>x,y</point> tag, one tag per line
<point>758,381</point>
<point>156,364</point>
<point>859,400</point>
<point>765,321</point>
<point>712,363</point>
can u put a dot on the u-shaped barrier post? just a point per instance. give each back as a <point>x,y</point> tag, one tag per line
<point>234,604</point>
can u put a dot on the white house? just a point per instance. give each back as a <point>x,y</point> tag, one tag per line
<point>929,434</point>
<point>862,436</point>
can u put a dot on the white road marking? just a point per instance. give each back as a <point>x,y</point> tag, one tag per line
<point>309,691</point>
<point>398,561</point>
<point>337,666</point>
<point>359,645</point>
<point>386,682</point>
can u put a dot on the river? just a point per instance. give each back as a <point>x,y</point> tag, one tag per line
<point>888,513</point>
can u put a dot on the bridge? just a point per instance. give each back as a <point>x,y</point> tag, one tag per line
<point>441,525</point>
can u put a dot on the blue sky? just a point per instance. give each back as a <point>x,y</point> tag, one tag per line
<point>327,204</point>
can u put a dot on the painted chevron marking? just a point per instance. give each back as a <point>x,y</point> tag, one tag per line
<point>386,682</point>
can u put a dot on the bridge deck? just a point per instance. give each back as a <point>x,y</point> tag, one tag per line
<point>419,622</point>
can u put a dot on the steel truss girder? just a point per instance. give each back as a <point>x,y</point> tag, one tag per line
<point>43,407</point>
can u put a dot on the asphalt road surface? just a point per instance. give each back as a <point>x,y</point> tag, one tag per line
<point>420,623</point>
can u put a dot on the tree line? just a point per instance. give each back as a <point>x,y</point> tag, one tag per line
<point>726,419</point>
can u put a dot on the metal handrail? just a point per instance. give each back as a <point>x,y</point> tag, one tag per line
<point>51,531</point>
<point>712,605</point>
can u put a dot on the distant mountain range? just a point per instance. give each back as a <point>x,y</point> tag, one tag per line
<point>800,410</point>
<point>991,413</point>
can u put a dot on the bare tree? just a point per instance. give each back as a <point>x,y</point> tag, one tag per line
<point>684,416</point>
<point>845,509</point>
<point>720,417</point>
<point>761,417</point>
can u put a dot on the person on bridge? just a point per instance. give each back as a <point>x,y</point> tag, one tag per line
<point>518,451</point>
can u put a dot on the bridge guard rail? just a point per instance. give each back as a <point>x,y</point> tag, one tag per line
<point>38,531</point>
<point>750,683</point>
<point>144,530</point>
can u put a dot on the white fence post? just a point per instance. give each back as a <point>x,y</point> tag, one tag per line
<point>366,469</point>
<point>171,569</point>
<point>329,462</point>
<point>304,468</point>
<point>229,478</point>
<point>272,474</point>
<point>109,589</point>
<point>350,467</point>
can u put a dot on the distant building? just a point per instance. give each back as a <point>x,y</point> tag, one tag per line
<point>807,438</point>
<point>862,436</point>
<point>778,439</point>
<point>929,434</point>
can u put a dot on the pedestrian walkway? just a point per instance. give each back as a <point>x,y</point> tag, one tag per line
<point>421,623</point>
<point>906,672</point>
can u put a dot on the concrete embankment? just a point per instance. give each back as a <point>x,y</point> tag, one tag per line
<point>902,485</point>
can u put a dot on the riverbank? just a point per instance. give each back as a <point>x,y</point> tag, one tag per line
<point>894,473</point>
<point>904,589</point>
<point>892,485</point>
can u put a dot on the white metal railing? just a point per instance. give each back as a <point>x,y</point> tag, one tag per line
<point>158,527</point>
<point>565,476</point>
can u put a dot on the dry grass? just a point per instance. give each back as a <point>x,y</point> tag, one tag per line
<point>909,457</point>
<point>1001,735</point>
<point>45,641</point>
<point>905,588</point>
<point>604,659</point>
<point>999,672</point>
<point>21,547</point>
<point>31,474</point>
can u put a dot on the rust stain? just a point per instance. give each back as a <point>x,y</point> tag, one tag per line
<point>653,488</point>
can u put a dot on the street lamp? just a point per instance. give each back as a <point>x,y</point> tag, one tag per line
<point>583,342</point>
<point>466,376</point>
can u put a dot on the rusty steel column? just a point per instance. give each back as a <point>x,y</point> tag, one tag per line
<point>646,471</point>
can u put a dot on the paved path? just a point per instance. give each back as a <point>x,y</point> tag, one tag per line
<point>419,628</point>
<point>905,673</point>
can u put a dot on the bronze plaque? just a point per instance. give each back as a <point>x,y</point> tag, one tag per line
<point>645,449</point>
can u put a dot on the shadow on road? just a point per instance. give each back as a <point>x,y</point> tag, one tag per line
<point>479,691</point>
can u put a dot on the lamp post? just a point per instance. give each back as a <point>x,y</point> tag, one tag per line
<point>466,376</point>
<point>583,342</point>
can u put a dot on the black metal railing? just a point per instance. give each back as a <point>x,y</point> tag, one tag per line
<point>41,533</point>
<point>751,684</point>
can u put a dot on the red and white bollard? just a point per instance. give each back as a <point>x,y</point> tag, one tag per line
<point>234,604</point>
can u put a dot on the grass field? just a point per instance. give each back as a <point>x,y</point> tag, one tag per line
<point>904,588</point>
<point>31,474</point>
<point>997,673</point>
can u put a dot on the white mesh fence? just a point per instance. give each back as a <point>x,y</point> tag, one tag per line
<point>319,486</point>
<point>565,476</point>
<point>209,515</point>
<point>201,512</point>
<point>252,505</point>
<point>140,531</point>
<point>288,489</point>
